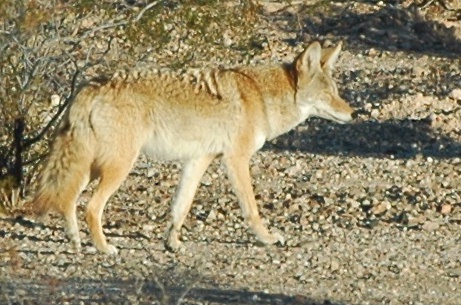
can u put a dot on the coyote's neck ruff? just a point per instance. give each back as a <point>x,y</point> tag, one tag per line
<point>193,117</point>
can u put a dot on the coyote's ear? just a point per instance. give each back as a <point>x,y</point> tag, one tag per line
<point>330,56</point>
<point>309,59</point>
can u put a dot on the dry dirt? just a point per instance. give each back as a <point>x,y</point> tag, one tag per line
<point>371,211</point>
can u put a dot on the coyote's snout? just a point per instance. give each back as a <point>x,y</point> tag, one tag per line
<point>192,117</point>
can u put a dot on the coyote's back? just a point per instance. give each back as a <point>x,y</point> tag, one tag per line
<point>192,117</point>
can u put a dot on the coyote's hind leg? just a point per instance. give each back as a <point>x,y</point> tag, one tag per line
<point>112,175</point>
<point>67,206</point>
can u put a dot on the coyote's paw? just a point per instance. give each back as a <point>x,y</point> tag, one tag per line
<point>108,249</point>
<point>111,250</point>
<point>77,247</point>
<point>174,245</point>
<point>271,239</point>
<point>76,244</point>
<point>172,242</point>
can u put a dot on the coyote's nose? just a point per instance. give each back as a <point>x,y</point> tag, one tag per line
<point>355,114</point>
<point>358,112</point>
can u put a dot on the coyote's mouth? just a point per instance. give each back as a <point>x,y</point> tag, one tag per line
<point>340,118</point>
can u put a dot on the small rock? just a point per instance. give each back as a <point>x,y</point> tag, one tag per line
<point>355,204</point>
<point>334,265</point>
<point>211,216</point>
<point>148,228</point>
<point>374,113</point>
<point>454,273</point>
<point>227,39</point>
<point>91,250</point>
<point>151,172</point>
<point>55,100</point>
<point>380,208</point>
<point>415,221</point>
<point>372,52</point>
<point>455,94</point>
<point>446,209</point>
<point>431,226</point>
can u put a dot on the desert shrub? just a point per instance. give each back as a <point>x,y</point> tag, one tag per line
<point>50,48</point>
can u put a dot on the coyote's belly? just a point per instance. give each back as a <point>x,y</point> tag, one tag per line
<point>170,145</point>
<point>161,149</point>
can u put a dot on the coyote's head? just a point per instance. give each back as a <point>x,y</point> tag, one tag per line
<point>317,94</point>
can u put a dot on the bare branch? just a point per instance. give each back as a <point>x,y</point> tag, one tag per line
<point>189,287</point>
<point>113,25</point>
<point>51,123</point>
<point>61,109</point>
<point>147,7</point>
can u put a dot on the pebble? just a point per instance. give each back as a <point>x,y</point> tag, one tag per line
<point>446,209</point>
<point>430,225</point>
<point>455,94</point>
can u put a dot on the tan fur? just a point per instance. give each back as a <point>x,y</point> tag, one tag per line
<point>193,117</point>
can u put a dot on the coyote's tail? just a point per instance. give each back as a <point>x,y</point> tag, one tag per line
<point>68,165</point>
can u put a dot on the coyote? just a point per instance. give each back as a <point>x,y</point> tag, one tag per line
<point>191,117</point>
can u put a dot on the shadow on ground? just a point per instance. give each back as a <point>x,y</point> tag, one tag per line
<point>168,285</point>
<point>396,83</point>
<point>137,291</point>
<point>390,27</point>
<point>400,139</point>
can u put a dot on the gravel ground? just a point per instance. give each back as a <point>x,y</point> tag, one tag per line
<point>371,211</point>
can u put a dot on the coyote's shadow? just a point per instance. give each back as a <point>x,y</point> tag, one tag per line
<point>157,289</point>
<point>402,139</point>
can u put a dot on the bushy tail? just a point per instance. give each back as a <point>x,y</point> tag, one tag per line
<point>67,167</point>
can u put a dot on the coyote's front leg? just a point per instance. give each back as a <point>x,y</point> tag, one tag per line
<point>192,172</point>
<point>239,174</point>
